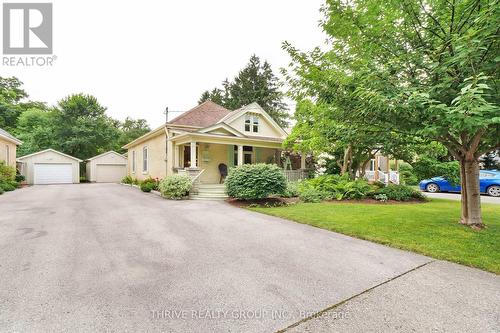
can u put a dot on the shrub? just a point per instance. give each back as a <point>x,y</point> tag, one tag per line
<point>400,193</point>
<point>381,197</point>
<point>8,185</point>
<point>255,181</point>
<point>339,187</point>
<point>407,175</point>
<point>292,190</point>
<point>147,186</point>
<point>127,180</point>
<point>175,187</point>
<point>1,190</point>
<point>153,183</point>
<point>310,194</point>
<point>7,173</point>
<point>20,178</point>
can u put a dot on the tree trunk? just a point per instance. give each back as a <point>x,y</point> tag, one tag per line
<point>471,196</point>
<point>347,159</point>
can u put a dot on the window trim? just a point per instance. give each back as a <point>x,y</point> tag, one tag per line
<point>145,170</point>
<point>133,161</point>
<point>7,154</point>
<point>255,124</point>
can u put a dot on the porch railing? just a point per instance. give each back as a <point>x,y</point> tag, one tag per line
<point>295,175</point>
<point>386,178</point>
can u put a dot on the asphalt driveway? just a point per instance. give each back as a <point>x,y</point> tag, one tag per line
<point>106,257</point>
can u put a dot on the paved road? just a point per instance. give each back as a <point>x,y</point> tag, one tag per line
<point>105,257</point>
<point>456,196</point>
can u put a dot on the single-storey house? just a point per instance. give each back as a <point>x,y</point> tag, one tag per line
<point>202,140</point>
<point>8,147</point>
<point>50,167</point>
<point>109,167</point>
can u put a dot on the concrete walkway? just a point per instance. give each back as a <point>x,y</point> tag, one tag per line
<point>106,257</point>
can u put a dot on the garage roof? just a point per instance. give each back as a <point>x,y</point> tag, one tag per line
<point>104,154</point>
<point>47,150</point>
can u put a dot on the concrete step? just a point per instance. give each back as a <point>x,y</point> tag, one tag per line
<point>207,197</point>
<point>211,190</point>
<point>212,186</point>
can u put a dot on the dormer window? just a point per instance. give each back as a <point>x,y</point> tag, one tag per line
<point>255,127</point>
<point>248,122</point>
<point>251,123</point>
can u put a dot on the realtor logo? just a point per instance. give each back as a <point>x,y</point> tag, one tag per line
<point>27,28</point>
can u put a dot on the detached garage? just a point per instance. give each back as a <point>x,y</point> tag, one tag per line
<point>109,167</point>
<point>50,167</point>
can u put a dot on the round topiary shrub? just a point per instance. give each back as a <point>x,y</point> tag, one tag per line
<point>255,181</point>
<point>147,186</point>
<point>175,187</point>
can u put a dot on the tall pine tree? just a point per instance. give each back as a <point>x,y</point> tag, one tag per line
<point>254,83</point>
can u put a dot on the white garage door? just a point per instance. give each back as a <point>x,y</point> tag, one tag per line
<point>110,173</point>
<point>53,173</point>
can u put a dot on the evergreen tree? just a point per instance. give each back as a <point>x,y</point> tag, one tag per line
<point>254,83</point>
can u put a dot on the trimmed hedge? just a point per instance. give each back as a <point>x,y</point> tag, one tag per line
<point>175,187</point>
<point>255,181</point>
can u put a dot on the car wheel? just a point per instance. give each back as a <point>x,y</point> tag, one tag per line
<point>494,191</point>
<point>432,188</point>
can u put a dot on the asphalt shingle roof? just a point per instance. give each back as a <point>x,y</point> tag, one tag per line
<point>203,115</point>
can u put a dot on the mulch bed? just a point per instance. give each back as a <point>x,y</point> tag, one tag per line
<point>277,201</point>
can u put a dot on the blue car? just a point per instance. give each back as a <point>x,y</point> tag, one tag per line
<point>489,183</point>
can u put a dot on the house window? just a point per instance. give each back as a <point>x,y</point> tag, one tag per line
<point>248,122</point>
<point>145,159</point>
<point>133,161</point>
<point>255,126</point>
<point>247,154</point>
<point>187,156</point>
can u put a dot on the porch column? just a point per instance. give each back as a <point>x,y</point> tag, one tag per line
<point>303,160</point>
<point>240,155</point>
<point>193,155</point>
<point>375,167</point>
<point>176,156</point>
<point>388,166</point>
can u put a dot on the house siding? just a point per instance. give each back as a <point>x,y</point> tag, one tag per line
<point>156,158</point>
<point>12,152</point>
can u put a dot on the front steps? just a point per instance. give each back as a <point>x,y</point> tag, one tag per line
<point>209,192</point>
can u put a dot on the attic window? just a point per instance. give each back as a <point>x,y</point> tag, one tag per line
<point>248,121</point>
<point>255,127</point>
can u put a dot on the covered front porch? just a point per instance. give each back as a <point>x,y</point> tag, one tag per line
<point>203,158</point>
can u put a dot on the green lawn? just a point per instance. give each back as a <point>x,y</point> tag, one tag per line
<point>429,228</point>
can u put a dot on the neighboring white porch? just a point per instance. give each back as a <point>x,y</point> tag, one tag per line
<point>380,170</point>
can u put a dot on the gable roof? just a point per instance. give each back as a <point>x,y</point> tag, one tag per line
<point>49,150</point>
<point>7,136</point>
<point>203,115</point>
<point>256,108</point>
<point>224,126</point>
<point>104,154</point>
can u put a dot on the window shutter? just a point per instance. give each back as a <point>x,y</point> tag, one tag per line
<point>230,155</point>
<point>257,154</point>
